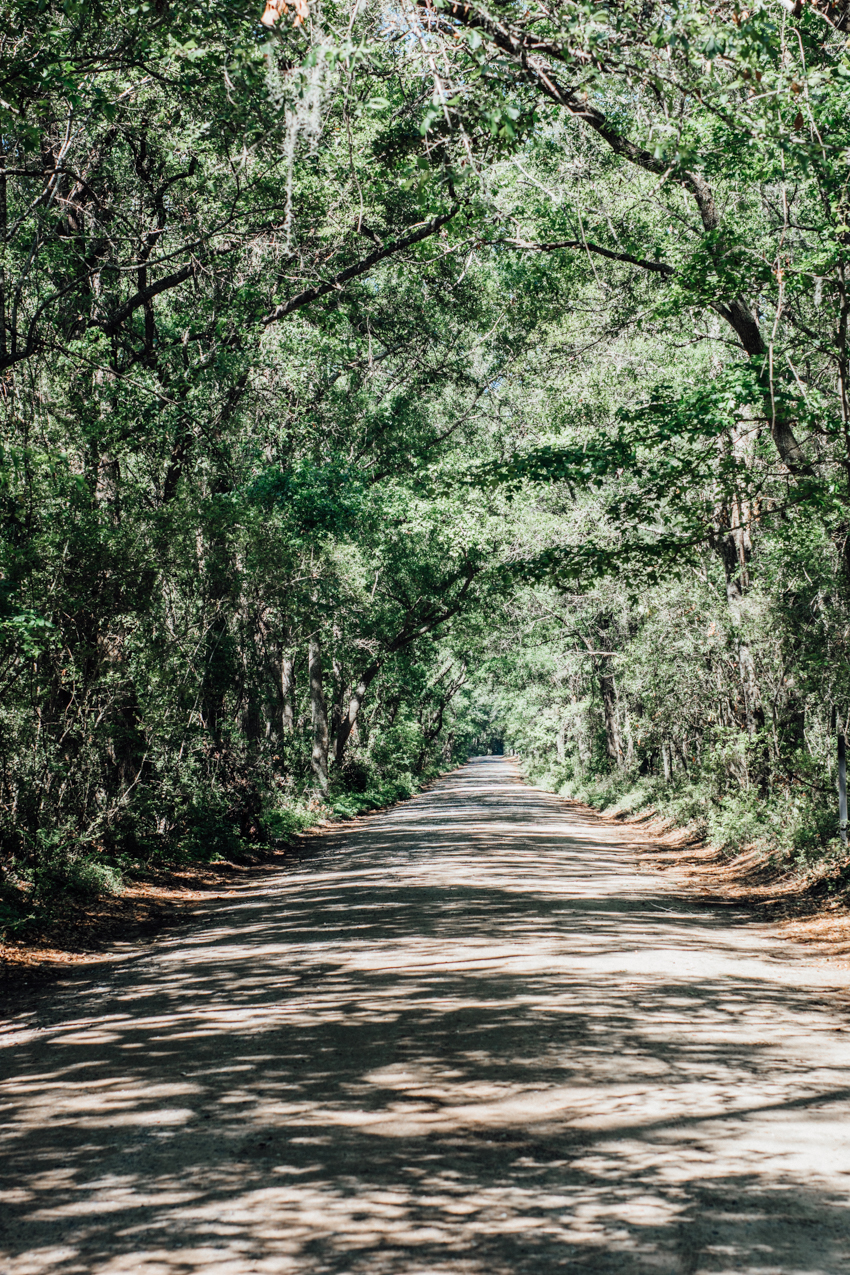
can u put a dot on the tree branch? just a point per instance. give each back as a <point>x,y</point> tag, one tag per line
<point>359,268</point>
<point>534,58</point>
<point>144,295</point>
<point>658,267</point>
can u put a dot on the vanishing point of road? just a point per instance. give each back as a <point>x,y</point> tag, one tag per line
<point>468,1034</point>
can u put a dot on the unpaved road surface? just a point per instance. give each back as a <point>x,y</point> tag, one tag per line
<point>468,1035</point>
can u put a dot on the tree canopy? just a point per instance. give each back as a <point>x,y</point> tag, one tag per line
<point>385,382</point>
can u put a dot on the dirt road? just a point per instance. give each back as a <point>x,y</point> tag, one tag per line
<point>467,1035</point>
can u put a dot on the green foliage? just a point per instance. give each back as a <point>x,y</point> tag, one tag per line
<point>356,414</point>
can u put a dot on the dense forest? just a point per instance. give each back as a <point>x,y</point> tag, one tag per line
<point>386,383</point>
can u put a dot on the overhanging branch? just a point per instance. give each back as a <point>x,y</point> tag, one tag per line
<point>658,267</point>
<point>359,268</point>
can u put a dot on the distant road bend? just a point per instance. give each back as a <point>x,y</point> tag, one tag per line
<point>466,1035</point>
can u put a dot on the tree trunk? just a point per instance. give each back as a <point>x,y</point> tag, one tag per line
<point>735,548</point>
<point>608,692</point>
<point>735,554</point>
<point>630,742</point>
<point>560,742</point>
<point>3,221</point>
<point>338,683</point>
<point>613,743</point>
<point>346,724</point>
<point>287,683</point>
<point>319,758</point>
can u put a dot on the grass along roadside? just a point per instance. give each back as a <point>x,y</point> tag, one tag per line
<point>735,854</point>
<point>77,925</point>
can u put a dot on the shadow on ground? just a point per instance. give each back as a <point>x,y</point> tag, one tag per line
<point>467,1036</point>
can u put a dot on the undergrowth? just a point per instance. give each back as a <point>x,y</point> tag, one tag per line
<point>205,826</point>
<point>793,827</point>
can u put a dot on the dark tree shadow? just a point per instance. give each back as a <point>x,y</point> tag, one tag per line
<point>466,1036</point>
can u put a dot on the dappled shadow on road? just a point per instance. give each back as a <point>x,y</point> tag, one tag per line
<point>466,1036</point>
